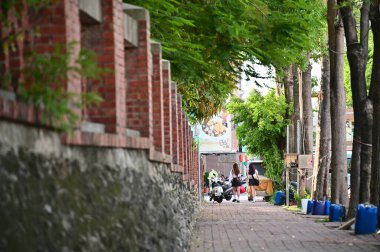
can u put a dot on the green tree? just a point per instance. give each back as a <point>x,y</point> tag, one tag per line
<point>208,42</point>
<point>262,127</point>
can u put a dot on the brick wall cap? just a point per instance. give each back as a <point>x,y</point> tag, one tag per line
<point>155,47</point>
<point>165,64</point>
<point>173,85</point>
<point>136,12</point>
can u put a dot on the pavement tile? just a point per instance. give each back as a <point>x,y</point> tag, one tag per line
<point>261,226</point>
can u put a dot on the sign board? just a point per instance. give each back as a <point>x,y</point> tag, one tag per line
<point>215,135</point>
<point>291,160</point>
<point>305,161</point>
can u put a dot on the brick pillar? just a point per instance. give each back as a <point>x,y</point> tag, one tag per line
<point>112,111</point>
<point>180,131</point>
<point>59,23</point>
<point>167,99</point>
<point>195,167</point>
<point>157,98</point>
<point>175,127</point>
<point>14,60</point>
<point>185,157</point>
<point>139,77</point>
<point>186,144</point>
<point>188,148</point>
<point>107,40</point>
<point>191,152</point>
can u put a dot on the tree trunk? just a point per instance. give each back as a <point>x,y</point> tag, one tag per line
<point>366,152</point>
<point>325,134</point>
<point>357,54</point>
<point>375,83</point>
<point>288,86</point>
<point>296,116</point>
<point>338,112</point>
<point>307,119</point>
<point>296,104</point>
<point>316,154</point>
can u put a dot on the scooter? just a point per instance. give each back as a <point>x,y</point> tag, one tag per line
<point>220,191</point>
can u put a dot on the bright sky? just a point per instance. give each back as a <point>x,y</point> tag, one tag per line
<point>247,86</point>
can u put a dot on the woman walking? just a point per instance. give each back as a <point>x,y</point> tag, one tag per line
<point>236,182</point>
<point>253,181</point>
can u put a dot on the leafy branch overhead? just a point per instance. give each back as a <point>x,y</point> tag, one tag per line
<point>208,42</point>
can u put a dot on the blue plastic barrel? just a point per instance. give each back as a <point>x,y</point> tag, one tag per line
<point>337,212</point>
<point>279,198</point>
<point>309,209</point>
<point>318,207</point>
<point>366,219</point>
<point>327,207</point>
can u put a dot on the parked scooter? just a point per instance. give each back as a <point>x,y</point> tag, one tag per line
<point>220,191</point>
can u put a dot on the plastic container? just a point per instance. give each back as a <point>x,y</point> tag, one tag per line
<point>337,213</point>
<point>327,207</point>
<point>242,189</point>
<point>309,207</point>
<point>318,207</point>
<point>366,219</point>
<point>279,198</point>
<point>304,205</point>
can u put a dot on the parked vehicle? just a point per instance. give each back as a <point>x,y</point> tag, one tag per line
<point>220,190</point>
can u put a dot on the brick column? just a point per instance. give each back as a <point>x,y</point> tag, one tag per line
<point>167,99</point>
<point>191,152</point>
<point>180,132</point>
<point>195,167</point>
<point>184,146</point>
<point>139,76</point>
<point>157,98</point>
<point>107,40</point>
<point>174,120</point>
<point>59,24</point>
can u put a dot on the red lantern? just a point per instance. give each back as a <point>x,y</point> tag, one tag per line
<point>241,158</point>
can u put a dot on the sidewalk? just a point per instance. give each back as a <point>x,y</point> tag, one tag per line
<point>262,226</point>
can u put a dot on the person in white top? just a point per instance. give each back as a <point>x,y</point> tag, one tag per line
<point>253,180</point>
<point>235,177</point>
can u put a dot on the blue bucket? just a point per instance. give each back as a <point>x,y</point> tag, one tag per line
<point>318,207</point>
<point>327,207</point>
<point>309,209</point>
<point>366,219</point>
<point>279,198</point>
<point>337,212</point>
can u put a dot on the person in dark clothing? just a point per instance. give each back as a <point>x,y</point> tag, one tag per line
<point>235,177</point>
<point>253,180</point>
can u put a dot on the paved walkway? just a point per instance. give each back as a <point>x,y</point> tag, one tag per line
<point>263,227</point>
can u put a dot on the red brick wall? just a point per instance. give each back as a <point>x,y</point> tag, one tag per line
<point>107,40</point>
<point>139,78</point>
<point>185,143</point>
<point>59,24</point>
<point>157,97</point>
<point>167,107</point>
<point>138,92</point>
<point>175,125</point>
<point>180,131</point>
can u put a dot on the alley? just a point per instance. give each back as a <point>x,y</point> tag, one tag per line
<point>264,227</point>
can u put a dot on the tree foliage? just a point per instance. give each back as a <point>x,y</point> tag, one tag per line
<point>209,41</point>
<point>262,127</point>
